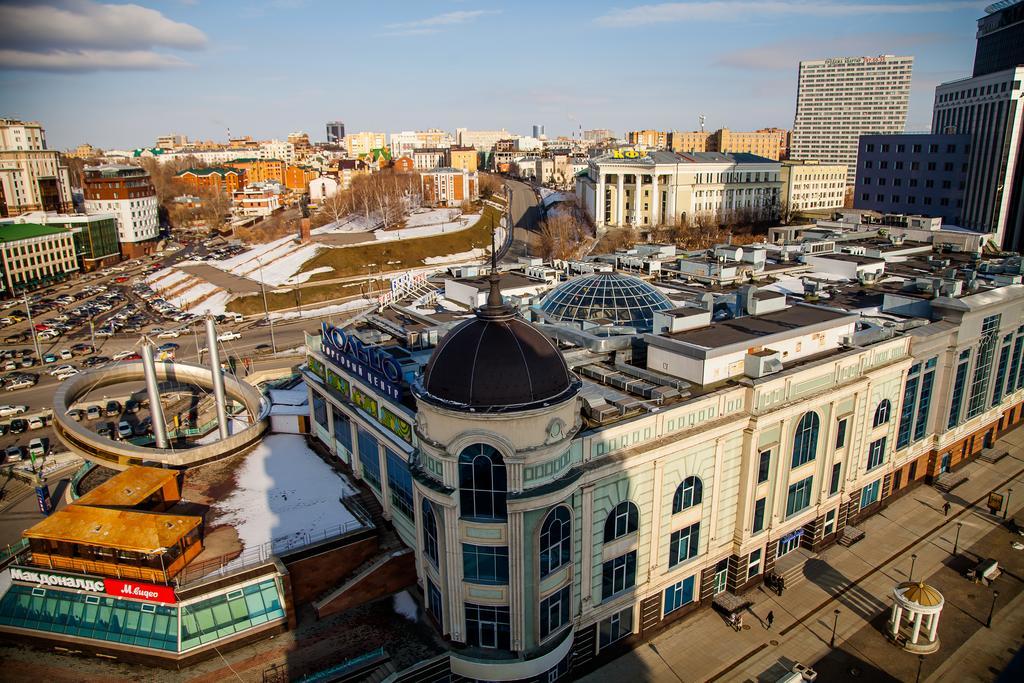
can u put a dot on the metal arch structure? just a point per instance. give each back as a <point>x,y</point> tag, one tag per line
<point>120,454</point>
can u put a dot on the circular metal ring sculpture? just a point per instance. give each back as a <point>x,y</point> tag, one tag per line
<point>120,454</point>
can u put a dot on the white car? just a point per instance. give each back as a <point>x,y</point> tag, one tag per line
<point>121,355</point>
<point>170,334</point>
<point>229,336</point>
<point>124,429</point>
<point>67,373</point>
<point>8,411</point>
<point>61,369</point>
<point>20,384</point>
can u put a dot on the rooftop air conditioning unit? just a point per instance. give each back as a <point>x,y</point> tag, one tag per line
<point>762,363</point>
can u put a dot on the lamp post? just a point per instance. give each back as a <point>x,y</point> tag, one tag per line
<point>956,541</point>
<point>920,664</point>
<point>32,329</point>
<point>992,609</point>
<point>266,309</point>
<point>835,625</point>
<point>1006,509</point>
<point>913,561</point>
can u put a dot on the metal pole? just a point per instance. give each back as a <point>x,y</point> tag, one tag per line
<point>156,410</point>
<point>920,663</point>
<point>266,309</point>
<point>913,561</point>
<point>835,625</point>
<point>218,378</point>
<point>1007,508</point>
<point>32,329</point>
<point>992,609</point>
<point>956,541</point>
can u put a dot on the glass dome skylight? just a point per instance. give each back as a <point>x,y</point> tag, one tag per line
<point>619,299</point>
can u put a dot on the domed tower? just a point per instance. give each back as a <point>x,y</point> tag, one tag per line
<point>496,413</point>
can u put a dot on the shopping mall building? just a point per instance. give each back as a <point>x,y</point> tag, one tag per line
<point>639,450</point>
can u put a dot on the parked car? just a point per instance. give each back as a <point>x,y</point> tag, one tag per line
<point>121,355</point>
<point>61,369</point>
<point>132,406</point>
<point>168,346</point>
<point>20,384</point>
<point>105,429</point>
<point>93,412</point>
<point>113,408</point>
<point>229,336</point>
<point>50,358</point>
<point>264,349</point>
<point>76,414</point>
<point>36,423</point>
<point>9,410</point>
<point>13,453</point>
<point>27,362</point>
<point>82,349</point>
<point>65,354</point>
<point>19,426</point>
<point>124,429</point>
<point>37,447</point>
<point>170,334</point>
<point>64,374</point>
<point>4,428</point>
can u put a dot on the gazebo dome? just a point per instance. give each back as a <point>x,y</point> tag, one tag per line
<point>922,594</point>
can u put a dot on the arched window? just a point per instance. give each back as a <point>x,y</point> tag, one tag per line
<point>624,519</point>
<point>555,540</point>
<point>429,532</point>
<point>805,440</point>
<point>882,412</point>
<point>482,483</point>
<point>688,494</point>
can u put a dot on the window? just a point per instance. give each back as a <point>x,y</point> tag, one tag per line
<point>833,487</point>
<point>554,612</point>
<point>688,494</point>
<point>754,564</point>
<point>623,519</point>
<point>763,464</point>
<point>841,433</point>
<point>1004,360</point>
<point>924,402</point>
<point>805,440</point>
<point>488,626</point>
<point>482,483</point>
<point>869,494</point>
<point>618,574</point>
<point>616,627</point>
<point>876,453</point>
<point>679,594</point>
<point>759,515</point>
<point>430,532</point>
<point>958,389</point>
<point>684,544</point>
<point>799,497</point>
<point>434,602</point>
<point>369,457</point>
<point>983,365</point>
<point>909,403</point>
<point>399,483</point>
<point>882,413</point>
<point>830,523</point>
<point>485,564</point>
<point>319,410</point>
<point>555,540</point>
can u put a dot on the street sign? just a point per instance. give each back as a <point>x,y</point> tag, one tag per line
<point>995,502</point>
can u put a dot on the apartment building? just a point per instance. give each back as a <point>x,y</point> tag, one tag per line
<point>221,179</point>
<point>839,99</point>
<point>32,177</point>
<point>770,143</point>
<point>361,144</point>
<point>466,158</point>
<point>95,235</point>
<point>448,186</point>
<point>127,192</point>
<point>34,256</point>
<point>810,186</point>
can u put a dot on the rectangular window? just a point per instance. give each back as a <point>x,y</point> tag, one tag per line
<point>799,497</point>
<point>1004,361</point>
<point>434,602</point>
<point>956,401</point>
<point>763,465</point>
<point>679,594</point>
<point>924,402</point>
<point>833,487</point>
<point>830,523</point>
<point>485,564</point>
<point>876,453</point>
<point>400,483</point>
<point>618,575</point>
<point>907,411</point>
<point>554,612</point>
<point>754,564</point>
<point>1011,381</point>
<point>369,456</point>
<point>488,626</point>
<point>758,515</point>
<point>683,544</point>
<point>983,365</point>
<point>869,494</point>
<point>841,433</point>
<point>616,627</point>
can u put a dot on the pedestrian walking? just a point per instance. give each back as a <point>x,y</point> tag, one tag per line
<point>945,509</point>
<point>782,586</point>
<point>770,619</point>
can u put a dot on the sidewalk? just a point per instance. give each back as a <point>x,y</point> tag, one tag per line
<point>858,582</point>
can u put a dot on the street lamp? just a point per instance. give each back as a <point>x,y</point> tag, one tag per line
<point>913,561</point>
<point>992,609</point>
<point>32,329</point>
<point>956,541</point>
<point>920,663</point>
<point>266,309</point>
<point>1006,509</point>
<point>835,625</point>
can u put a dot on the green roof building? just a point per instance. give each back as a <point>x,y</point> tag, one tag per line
<point>34,255</point>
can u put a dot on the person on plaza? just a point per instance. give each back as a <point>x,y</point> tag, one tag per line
<point>782,585</point>
<point>945,509</point>
<point>770,619</point>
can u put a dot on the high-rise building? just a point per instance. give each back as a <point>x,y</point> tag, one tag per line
<point>32,178</point>
<point>359,144</point>
<point>538,131</point>
<point>1000,38</point>
<point>335,132</point>
<point>988,109</point>
<point>128,193</point>
<point>842,98</point>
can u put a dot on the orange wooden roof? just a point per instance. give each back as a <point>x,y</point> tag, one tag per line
<point>143,532</point>
<point>129,488</point>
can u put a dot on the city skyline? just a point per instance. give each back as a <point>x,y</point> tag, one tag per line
<point>184,66</point>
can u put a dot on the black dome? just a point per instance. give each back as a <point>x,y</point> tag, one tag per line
<point>496,362</point>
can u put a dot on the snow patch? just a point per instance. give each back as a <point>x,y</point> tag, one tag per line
<point>472,255</point>
<point>404,604</point>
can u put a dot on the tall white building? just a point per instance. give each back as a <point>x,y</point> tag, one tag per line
<point>128,193</point>
<point>278,149</point>
<point>842,98</point>
<point>32,178</point>
<point>482,140</point>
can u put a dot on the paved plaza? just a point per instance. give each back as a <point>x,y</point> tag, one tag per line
<point>858,581</point>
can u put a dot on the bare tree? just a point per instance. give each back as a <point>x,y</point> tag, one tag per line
<point>561,235</point>
<point>216,204</point>
<point>489,185</point>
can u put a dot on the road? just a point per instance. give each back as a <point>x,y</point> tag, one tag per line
<point>526,213</point>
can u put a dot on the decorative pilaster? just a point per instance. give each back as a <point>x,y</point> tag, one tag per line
<point>517,587</point>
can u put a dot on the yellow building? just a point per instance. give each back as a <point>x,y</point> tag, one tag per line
<point>260,170</point>
<point>688,141</point>
<point>359,144</point>
<point>771,143</point>
<point>654,139</point>
<point>810,186</point>
<point>464,158</point>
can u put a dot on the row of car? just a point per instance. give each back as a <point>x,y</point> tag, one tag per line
<point>36,448</point>
<point>20,425</point>
<point>111,409</point>
<point>13,381</point>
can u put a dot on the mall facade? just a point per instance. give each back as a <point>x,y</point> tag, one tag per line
<point>568,493</point>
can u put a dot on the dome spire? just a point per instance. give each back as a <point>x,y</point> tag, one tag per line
<point>495,307</point>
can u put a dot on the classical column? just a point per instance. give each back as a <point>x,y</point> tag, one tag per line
<point>637,199</point>
<point>655,200</point>
<point>587,554</point>
<point>917,628</point>
<point>933,626</point>
<point>453,575</point>
<point>671,203</point>
<point>620,200</point>
<point>897,617</point>
<point>599,200</point>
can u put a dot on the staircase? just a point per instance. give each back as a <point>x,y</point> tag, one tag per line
<point>327,605</point>
<point>851,535</point>
<point>790,567</point>
<point>991,455</point>
<point>947,481</point>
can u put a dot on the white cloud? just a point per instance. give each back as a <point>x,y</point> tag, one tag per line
<point>89,60</point>
<point>435,23</point>
<point>732,10</point>
<point>86,35</point>
<point>786,54</point>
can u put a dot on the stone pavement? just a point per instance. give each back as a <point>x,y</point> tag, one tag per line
<point>858,582</point>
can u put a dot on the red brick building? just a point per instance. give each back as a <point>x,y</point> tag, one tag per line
<point>448,187</point>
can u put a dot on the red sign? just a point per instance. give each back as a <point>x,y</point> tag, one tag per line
<point>137,590</point>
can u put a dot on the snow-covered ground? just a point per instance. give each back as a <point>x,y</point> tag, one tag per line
<point>472,255</point>
<point>316,311</point>
<point>283,493</point>
<point>432,222</point>
<point>404,604</point>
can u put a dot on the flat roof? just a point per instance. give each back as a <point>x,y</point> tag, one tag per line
<point>849,258</point>
<point>12,232</point>
<point>129,488</point>
<point>508,281</point>
<point>141,532</point>
<point>747,328</point>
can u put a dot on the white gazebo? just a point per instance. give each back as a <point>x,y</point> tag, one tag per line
<point>914,624</point>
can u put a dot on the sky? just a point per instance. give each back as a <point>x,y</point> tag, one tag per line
<point>117,75</point>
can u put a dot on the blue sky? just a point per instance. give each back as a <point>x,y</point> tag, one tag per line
<point>118,75</point>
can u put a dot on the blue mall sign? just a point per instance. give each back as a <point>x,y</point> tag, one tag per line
<point>373,366</point>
